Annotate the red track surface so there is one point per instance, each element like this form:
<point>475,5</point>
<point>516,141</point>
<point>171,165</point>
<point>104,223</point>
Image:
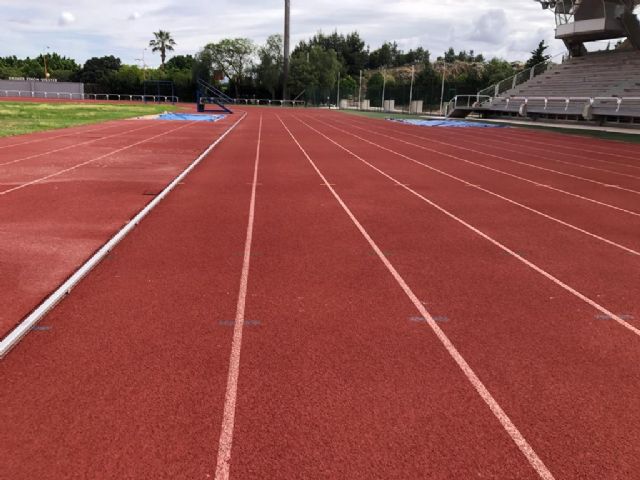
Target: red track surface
<point>525,363</point>
<point>64,193</point>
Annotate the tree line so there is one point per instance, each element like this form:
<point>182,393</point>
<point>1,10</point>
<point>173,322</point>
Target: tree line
<point>247,70</point>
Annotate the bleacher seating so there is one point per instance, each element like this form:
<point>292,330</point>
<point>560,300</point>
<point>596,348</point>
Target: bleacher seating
<point>602,74</point>
<point>602,84</point>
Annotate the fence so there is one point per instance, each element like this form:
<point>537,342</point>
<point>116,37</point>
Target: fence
<point>89,96</point>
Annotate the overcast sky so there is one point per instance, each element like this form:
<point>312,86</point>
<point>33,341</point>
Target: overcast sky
<point>87,28</point>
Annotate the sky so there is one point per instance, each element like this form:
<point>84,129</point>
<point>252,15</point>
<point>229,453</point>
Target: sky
<point>86,28</point>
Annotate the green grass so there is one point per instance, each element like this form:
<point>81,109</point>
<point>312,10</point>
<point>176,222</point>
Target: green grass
<point>17,118</point>
<point>620,137</point>
<point>380,115</point>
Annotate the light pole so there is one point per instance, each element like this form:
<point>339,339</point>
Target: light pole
<point>143,64</point>
<point>384,86</point>
<point>360,93</point>
<point>338,95</point>
<point>44,58</point>
<point>444,72</point>
<point>287,39</point>
<point>413,73</point>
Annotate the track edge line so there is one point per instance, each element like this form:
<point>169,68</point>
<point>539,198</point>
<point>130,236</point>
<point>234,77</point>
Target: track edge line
<point>18,332</point>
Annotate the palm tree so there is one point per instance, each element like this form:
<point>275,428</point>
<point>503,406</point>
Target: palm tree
<point>162,43</point>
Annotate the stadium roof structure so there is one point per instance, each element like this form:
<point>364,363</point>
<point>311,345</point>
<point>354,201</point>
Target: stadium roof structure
<point>582,21</point>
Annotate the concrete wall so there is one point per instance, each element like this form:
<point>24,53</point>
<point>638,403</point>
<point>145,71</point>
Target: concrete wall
<point>416,106</point>
<point>40,88</point>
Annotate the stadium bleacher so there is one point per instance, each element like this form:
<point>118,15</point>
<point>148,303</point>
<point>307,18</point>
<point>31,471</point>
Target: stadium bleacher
<point>598,86</point>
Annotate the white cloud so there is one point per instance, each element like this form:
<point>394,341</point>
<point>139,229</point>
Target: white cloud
<point>66,18</point>
<point>507,29</point>
<point>490,27</point>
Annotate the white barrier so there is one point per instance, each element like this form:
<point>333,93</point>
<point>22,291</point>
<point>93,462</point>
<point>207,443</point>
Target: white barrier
<point>90,96</point>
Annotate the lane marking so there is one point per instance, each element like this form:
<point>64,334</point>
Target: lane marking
<point>478,187</point>
<point>503,247</point>
<point>527,138</point>
<point>225,443</point>
<point>471,376</point>
<point>403,129</point>
<point>538,167</point>
<point>87,162</point>
<point>498,140</point>
<point>12,339</point>
<point>501,172</point>
<point>68,147</point>
<point>519,133</point>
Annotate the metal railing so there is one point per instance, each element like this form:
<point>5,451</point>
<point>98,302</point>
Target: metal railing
<point>265,101</point>
<point>567,102</point>
<point>466,101</point>
<point>90,96</point>
<point>519,78</point>
<point>480,102</point>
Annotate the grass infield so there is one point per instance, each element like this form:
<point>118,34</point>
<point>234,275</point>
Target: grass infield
<point>17,118</point>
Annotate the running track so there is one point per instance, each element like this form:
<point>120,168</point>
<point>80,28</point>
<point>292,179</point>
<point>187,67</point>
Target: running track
<point>329,296</point>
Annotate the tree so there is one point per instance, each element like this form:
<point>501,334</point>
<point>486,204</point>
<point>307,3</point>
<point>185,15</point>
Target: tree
<point>314,71</point>
<point>538,55</point>
<point>231,56</point>
<point>348,86</point>
<point>497,70</point>
<point>97,68</point>
<point>386,56</point>
<point>450,55</point>
<point>162,43</point>
<point>180,62</point>
<point>271,64</point>
<point>375,85</point>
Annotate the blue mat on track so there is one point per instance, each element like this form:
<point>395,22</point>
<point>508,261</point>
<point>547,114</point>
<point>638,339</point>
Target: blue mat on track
<point>190,117</point>
<point>448,123</point>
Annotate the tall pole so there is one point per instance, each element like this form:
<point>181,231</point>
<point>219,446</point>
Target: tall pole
<point>338,95</point>
<point>287,46</point>
<point>360,92</point>
<point>384,86</point>
<point>144,64</point>
<point>413,73</point>
<point>444,72</point>
<point>46,67</point>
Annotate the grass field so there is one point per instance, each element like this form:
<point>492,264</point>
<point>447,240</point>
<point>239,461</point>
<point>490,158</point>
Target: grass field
<point>17,118</point>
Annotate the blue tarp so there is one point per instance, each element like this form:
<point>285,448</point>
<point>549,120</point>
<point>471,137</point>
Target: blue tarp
<point>190,117</point>
<point>448,123</point>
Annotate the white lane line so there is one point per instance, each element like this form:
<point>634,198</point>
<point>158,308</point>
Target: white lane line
<point>12,339</point>
<point>527,138</point>
<point>42,139</point>
<point>497,195</point>
<point>87,162</point>
<point>525,164</point>
<point>486,140</point>
<point>471,376</point>
<point>491,136</point>
<point>503,247</point>
<point>502,172</point>
<point>228,419</point>
<point>75,145</point>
